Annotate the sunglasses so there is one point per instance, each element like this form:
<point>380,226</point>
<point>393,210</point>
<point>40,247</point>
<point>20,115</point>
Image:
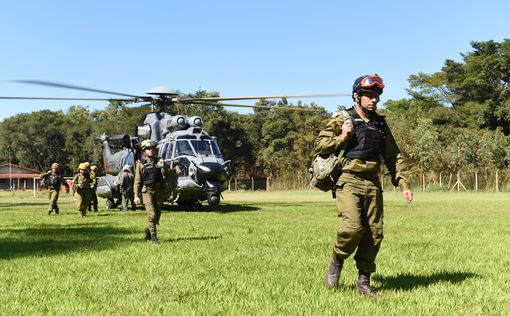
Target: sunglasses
<point>370,81</point>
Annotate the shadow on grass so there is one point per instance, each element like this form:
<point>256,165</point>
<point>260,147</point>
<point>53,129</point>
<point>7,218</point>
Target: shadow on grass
<point>222,208</point>
<point>49,240</point>
<point>11,204</point>
<point>408,282</point>
<point>194,238</point>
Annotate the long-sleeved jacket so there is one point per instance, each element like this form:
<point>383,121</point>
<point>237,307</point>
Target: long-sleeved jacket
<point>54,181</point>
<point>139,184</point>
<point>330,141</point>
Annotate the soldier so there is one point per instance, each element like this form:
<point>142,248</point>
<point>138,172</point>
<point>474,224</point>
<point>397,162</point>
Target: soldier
<point>93,188</point>
<point>54,181</point>
<point>150,186</point>
<point>367,138</point>
<point>125,180</point>
<point>81,189</point>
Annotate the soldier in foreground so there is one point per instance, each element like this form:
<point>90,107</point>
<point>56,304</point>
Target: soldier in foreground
<point>54,181</point>
<point>150,186</point>
<point>368,141</point>
<point>81,189</point>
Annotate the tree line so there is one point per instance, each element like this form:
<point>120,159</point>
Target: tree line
<point>454,126</point>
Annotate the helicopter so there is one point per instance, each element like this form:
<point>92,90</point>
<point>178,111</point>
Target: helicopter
<point>183,144</point>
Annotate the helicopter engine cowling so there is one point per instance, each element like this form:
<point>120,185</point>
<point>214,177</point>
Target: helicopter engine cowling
<point>177,122</point>
<point>144,131</point>
<point>195,121</point>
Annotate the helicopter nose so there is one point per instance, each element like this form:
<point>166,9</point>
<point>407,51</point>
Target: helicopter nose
<point>210,171</point>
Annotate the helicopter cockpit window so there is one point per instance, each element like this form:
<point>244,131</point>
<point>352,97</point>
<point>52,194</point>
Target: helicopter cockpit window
<point>202,147</point>
<point>183,148</point>
<point>215,149</point>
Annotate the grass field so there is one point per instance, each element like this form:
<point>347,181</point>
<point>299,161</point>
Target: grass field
<point>262,253</point>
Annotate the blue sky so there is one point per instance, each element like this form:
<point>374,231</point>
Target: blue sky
<point>233,47</point>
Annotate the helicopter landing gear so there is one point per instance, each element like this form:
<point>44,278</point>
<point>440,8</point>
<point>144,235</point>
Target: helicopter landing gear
<point>110,204</point>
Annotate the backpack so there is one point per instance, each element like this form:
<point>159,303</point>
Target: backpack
<point>325,169</point>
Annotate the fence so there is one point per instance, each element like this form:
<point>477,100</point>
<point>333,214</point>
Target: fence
<point>495,181</point>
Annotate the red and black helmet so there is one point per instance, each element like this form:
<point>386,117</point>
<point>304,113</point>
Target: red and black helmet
<point>368,83</point>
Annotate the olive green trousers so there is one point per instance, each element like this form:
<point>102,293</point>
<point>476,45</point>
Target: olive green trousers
<point>153,202</point>
<point>53,198</point>
<point>82,197</point>
<point>360,209</point>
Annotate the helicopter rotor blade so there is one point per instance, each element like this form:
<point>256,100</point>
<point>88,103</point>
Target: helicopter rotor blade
<point>68,86</point>
<point>294,108</point>
<point>267,97</point>
<point>79,99</point>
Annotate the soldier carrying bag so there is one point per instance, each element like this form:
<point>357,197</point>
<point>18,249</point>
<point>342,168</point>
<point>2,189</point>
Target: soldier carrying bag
<point>326,169</point>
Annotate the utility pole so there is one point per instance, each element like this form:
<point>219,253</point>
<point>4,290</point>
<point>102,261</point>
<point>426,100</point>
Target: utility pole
<point>10,168</point>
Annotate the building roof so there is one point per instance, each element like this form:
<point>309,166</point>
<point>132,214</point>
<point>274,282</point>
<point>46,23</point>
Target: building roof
<point>14,171</point>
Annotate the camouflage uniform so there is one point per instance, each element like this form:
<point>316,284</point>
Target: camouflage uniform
<point>81,191</point>
<point>152,194</point>
<point>93,195</point>
<point>54,181</point>
<point>358,190</point>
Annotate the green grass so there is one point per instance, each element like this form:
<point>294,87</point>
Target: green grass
<point>262,253</point>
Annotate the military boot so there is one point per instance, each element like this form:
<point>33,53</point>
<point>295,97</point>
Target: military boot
<point>155,239</point>
<point>334,269</point>
<point>363,285</point>
<point>147,234</point>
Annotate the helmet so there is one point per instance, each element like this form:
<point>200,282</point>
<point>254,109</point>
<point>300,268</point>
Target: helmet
<point>147,144</point>
<point>368,83</point>
<point>87,164</point>
<point>93,168</point>
<point>82,166</point>
<point>55,165</point>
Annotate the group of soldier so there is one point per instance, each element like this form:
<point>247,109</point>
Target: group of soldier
<point>148,183</point>
<point>360,134</point>
<point>83,188</point>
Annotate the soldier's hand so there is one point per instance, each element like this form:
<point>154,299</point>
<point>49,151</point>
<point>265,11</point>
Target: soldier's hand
<point>137,201</point>
<point>408,196</point>
<point>346,129</point>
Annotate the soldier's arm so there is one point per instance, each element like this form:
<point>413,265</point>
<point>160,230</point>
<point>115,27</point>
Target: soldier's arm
<point>395,163</point>
<point>137,185</point>
<point>75,181</point>
<point>64,182</point>
<point>330,139</point>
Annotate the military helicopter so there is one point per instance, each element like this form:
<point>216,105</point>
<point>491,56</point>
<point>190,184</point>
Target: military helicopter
<point>182,143</point>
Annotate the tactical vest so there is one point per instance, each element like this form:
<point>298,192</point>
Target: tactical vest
<point>369,138</point>
<point>53,181</point>
<point>151,172</point>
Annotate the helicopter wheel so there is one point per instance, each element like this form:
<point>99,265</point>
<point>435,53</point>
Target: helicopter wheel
<point>186,205</point>
<point>198,207</point>
<point>110,204</point>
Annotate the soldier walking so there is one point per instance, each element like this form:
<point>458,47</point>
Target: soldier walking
<point>81,189</point>
<point>150,186</point>
<point>93,188</point>
<point>54,181</point>
<point>126,180</point>
<point>368,141</point>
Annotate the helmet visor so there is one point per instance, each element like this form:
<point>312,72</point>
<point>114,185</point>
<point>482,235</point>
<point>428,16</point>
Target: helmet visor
<point>370,81</point>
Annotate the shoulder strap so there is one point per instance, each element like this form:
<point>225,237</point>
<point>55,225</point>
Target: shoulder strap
<point>347,116</point>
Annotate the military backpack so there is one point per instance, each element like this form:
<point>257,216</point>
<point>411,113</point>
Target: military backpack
<point>326,169</point>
